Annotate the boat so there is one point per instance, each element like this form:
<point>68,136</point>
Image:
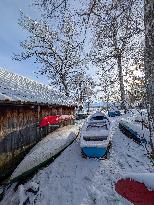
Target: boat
<point>45,151</point>
<point>131,130</point>
<point>95,140</point>
<point>81,115</point>
<point>114,113</point>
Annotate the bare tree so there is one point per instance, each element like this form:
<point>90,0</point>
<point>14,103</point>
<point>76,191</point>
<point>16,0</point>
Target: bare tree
<point>51,6</point>
<point>55,43</point>
<point>117,26</point>
<point>83,87</point>
<point>108,87</point>
<point>57,52</point>
<point>135,85</point>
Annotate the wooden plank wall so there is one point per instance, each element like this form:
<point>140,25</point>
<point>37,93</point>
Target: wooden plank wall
<point>19,131</point>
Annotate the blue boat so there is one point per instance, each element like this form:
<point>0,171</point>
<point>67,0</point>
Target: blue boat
<point>114,113</point>
<point>94,137</point>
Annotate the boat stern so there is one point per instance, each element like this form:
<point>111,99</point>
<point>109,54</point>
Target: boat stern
<point>94,152</point>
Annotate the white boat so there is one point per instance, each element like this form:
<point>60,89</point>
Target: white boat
<point>45,150</point>
<point>94,137</point>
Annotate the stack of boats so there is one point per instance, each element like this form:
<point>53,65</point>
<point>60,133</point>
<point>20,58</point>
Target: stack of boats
<point>94,137</point>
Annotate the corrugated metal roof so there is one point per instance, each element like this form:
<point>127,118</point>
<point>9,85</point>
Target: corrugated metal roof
<point>14,87</point>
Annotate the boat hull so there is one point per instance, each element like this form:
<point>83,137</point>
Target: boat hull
<point>94,152</point>
<point>129,132</point>
<point>45,152</point>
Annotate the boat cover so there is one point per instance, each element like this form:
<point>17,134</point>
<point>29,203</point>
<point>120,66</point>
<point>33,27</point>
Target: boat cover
<point>54,120</point>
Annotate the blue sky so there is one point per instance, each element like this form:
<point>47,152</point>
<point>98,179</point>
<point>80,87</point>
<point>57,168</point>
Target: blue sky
<point>11,35</point>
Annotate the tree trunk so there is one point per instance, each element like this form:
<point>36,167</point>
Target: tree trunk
<point>65,88</point>
<point>122,90</point>
<point>149,52</point>
<point>149,61</point>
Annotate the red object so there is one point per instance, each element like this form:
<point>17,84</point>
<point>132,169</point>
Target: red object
<point>135,192</point>
<point>50,120</point>
<point>54,120</point>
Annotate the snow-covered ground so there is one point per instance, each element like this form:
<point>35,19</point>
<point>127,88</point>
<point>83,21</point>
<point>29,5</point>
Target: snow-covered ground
<point>73,180</point>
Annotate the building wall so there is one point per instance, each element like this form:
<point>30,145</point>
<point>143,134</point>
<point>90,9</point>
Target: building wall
<point>19,131</point>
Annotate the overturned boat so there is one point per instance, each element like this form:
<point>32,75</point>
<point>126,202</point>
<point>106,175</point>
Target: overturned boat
<point>45,151</point>
<point>131,130</point>
<point>94,137</point>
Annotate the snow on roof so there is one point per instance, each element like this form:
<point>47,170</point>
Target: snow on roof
<point>14,87</point>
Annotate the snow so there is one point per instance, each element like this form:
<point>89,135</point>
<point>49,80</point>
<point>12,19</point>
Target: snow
<point>136,127</point>
<point>89,130</point>
<point>22,192</point>
<point>139,116</point>
<point>93,127</point>
<point>22,195</point>
<point>71,179</point>
<point>46,148</point>
<point>14,87</point>
<point>93,133</point>
<point>143,116</point>
<point>34,186</point>
<point>146,178</point>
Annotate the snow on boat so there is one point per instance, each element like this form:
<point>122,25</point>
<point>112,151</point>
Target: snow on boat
<point>142,117</point>
<point>94,138</point>
<point>129,130</point>
<point>45,150</point>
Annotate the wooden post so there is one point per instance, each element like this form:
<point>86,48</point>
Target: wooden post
<point>38,112</point>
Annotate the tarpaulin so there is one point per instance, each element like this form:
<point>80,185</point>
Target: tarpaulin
<point>54,120</point>
<point>50,120</point>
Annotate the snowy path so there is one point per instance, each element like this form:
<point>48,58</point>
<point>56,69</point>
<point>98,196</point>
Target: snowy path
<point>73,180</point>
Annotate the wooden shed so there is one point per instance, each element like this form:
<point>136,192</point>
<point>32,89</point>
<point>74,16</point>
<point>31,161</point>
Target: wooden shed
<point>23,103</point>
